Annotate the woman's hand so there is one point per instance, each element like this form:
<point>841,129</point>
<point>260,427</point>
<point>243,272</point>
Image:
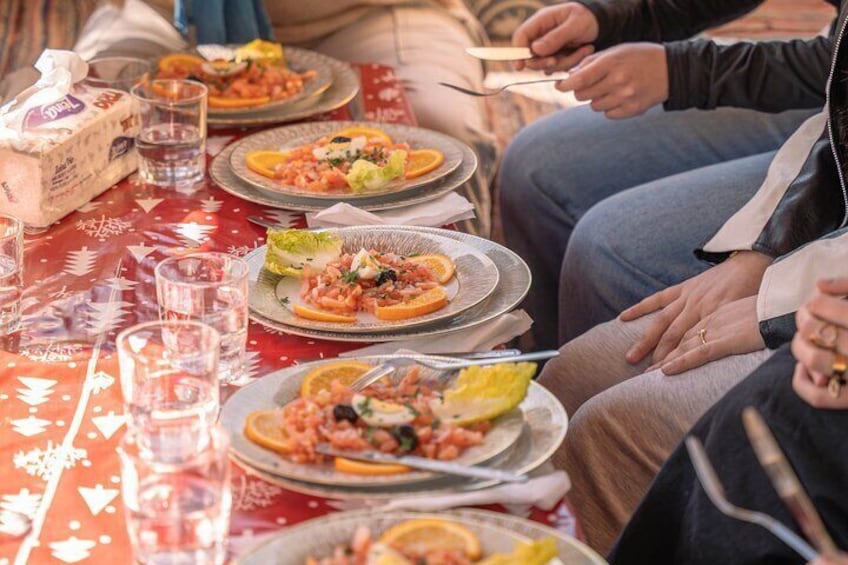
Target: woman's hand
<point>733,329</point>
<point>622,81</point>
<point>684,305</point>
<point>841,559</point>
<point>822,334</point>
<point>560,36</point>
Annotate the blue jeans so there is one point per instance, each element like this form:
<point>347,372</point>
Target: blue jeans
<point>607,212</point>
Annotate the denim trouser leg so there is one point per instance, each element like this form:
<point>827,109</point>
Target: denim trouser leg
<point>562,165</point>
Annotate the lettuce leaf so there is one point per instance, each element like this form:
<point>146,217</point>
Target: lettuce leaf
<point>365,176</point>
<point>290,250</point>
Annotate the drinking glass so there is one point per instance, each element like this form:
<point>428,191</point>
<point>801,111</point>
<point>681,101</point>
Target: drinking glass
<point>119,73</point>
<point>210,288</point>
<point>169,380</point>
<point>172,141</point>
<point>177,513</point>
<point>11,273</point>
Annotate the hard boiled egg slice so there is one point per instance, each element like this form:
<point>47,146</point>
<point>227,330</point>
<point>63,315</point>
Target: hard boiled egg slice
<point>223,68</point>
<point>380,413</point>
<point>364,265</point>
<point>380,554</point>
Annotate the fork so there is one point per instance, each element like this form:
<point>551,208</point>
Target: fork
<point>715,491</point>
<point>494,91</point>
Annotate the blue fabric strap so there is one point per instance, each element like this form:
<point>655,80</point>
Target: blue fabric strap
<point>223,21</point>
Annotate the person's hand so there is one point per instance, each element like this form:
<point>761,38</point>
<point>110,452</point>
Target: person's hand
<point>733,329</point>
<point>559,36</point>
<point>684,305</point>
<point>822,332</point>
<point>622,81</point>
<point>841,559</point>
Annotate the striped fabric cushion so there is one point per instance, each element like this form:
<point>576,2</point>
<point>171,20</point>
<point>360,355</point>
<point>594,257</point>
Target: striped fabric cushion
<point>27,27</point>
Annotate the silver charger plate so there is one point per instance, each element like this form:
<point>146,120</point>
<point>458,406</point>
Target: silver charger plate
<point>476,277</point>
<point>343,88</point>
<point>546,424</point>
<point>498,533</point>
<point>514,283</point>
<point>298,60</point>
<point>290,137</point>
<point>224,177</point>
<point>278,389</point>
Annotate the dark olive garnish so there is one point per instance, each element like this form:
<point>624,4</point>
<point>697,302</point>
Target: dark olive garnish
<point>345,412</point>
<point>340,139</point>
<point>386,276</point>
<point>405,436</point>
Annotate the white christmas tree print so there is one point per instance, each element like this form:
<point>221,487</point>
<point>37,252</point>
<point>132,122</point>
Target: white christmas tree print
<point>30,426</point>
<point>25,503</point>
<point>281,217</point>
<point>48,462</point>
<point>120,283</point>
<point>103,227</point>
<point>72,550</point>
<point>100,381</point>
<point>37,390</point>
<point>139,252</point>
<point>210,205</point>
<point>109,424</point>
<point>251,494</point>
<point>80,262</point>
<point>97,498</point>
<point>13,524</point>
<point>148,204</point>
<point>193,234</point>
<point>89,207</point>
<point>51,353</point>
<point>106,316</point>
<point>239,251</point>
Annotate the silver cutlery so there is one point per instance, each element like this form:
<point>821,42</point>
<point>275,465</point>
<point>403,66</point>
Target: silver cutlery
<point>425,464</point>
<point>786,482</point>
<point>715,491</point>
<point>495,353</point>
<point>494,91</point>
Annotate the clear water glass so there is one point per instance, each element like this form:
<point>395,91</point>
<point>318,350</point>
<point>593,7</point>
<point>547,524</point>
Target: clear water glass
<point>177,513</point>
<point>11,273</point>
<point>172,141</point>
<point>209,288</point>
<point>169,380</point>
<point>119,73</point>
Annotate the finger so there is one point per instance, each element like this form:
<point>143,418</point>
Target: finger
<point>672,336</point>
<point>814,359</point>
<point>686,345</point>
<point>699,356</point>
<point>583,77</point>
<point>556,38</point>
<point>563,62</point>
<point>830,309</point>
<point>534,27</point>
<point>651,304</point>
<point>837,286</point>
<point>654,332</point>
<point>816,396</point>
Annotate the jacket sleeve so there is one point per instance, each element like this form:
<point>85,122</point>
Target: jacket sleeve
<point>770,76</point>
<point>621,21</point>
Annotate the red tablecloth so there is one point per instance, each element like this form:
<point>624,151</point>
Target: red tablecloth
<point>90,276</point>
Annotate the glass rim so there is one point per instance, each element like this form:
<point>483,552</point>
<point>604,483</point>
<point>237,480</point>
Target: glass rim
<point>98,81</point>
<point>231,278</point>
<point>124,335</point>
<point>137,92</point>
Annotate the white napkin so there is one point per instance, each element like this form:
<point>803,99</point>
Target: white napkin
<point>60,70</point>
<point>543,492</point>
<point>479,338</point>
<point>443,210</point>
<point>543,92</point>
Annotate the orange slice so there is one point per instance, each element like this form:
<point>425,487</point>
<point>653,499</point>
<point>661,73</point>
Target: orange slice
<point>265,428</point>
<point>319,378</point>
<point>184,61</point>
<point>439,265</point>
<point>425,535</point>
<point>265,162</point>
<point>229,103</point>
<point>432,300</point>
<point>364,468</point>
<point>357,131</point>
<point>321,316</point>
<point>422,161</point>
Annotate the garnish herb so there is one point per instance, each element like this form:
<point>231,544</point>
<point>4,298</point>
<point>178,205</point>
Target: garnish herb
<point>412,409</point>
<point>284,300</point>
<point>364,407</point>
<point>350,277</point>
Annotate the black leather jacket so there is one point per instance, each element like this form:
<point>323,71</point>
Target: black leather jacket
<point>770,76</point>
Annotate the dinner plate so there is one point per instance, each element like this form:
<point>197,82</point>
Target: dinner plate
<point>498,533</point>
<point>514,283</point>
<point>298,60</point>
<point>476,278</point>
<point>546,423</point>
<point>343,88</point>
<point>224,177</point>
<point>278,389</point>
<point>289,137</point>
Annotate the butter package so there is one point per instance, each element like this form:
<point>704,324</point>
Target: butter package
<point>62,143</point>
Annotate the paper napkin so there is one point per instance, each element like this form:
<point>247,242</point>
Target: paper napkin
<point>443,210</point>
<point>479,338</point>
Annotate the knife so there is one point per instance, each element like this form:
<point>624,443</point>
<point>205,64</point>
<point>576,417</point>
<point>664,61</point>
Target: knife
<point>425,464</point>
<point>500,53</point>
<point>786,482</point>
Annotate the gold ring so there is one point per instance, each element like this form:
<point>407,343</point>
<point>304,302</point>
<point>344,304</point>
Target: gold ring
<point>702,333</point>
<point>826,337</point>
<point>837,375</point>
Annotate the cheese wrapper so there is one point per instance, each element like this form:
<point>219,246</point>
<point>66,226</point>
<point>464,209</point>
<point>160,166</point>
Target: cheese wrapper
<point>62,143</point>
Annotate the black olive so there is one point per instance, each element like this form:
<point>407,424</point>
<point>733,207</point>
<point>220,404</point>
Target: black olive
<point>406,437</point>
<point>340,139</point>
<point>345,412</point>
<point>385,276</point>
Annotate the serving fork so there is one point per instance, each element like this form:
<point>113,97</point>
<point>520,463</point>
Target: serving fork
<point>494,91</point>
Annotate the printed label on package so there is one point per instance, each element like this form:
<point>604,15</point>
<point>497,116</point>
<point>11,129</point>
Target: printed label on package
<point>120,147</point>
<point>62,108</point>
